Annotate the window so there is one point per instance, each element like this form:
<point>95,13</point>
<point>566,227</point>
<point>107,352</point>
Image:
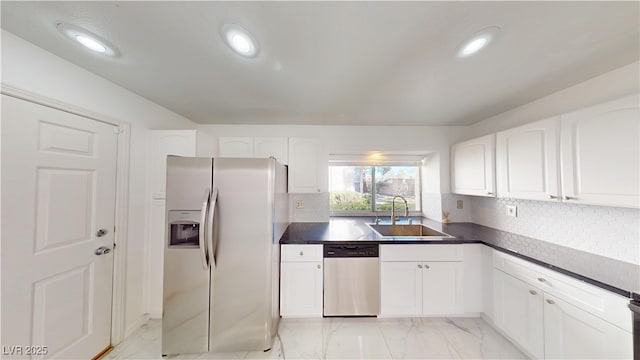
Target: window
<point>365,189</point>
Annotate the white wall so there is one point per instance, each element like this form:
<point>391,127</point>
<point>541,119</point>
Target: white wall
<point>32,69</point>
<point>607,231</point>
<point>608,86</point>
<point>355,140</point>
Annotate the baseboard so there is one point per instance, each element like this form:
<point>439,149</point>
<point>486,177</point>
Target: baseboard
<point>135,325</point>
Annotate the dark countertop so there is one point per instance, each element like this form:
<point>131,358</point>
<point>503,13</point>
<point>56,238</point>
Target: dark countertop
<point>614,275</point>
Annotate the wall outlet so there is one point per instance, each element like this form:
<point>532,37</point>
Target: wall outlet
<point>512,210</point>
<point>459,204</point>
<point>299,204</point>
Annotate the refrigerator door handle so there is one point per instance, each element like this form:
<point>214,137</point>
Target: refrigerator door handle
<point>202,228</point>
<point>213,200</point>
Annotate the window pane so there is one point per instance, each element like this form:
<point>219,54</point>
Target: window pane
<point>350,188</point>
<point>397,180</point>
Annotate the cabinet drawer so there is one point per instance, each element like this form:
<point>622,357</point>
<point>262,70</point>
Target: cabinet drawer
<point>599,302</point>
<point>421,253</point>
<point>300,253</point>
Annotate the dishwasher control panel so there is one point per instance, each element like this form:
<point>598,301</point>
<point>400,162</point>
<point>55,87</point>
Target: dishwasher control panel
<point>348,251</point>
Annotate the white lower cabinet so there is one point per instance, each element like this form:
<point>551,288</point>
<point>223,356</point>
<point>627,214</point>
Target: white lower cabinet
<point>301,281</point>
<point>400,288</point>
<point>552,316</point>
<point>414,288</point>
<point>518,312</point>
<point>571,333</point>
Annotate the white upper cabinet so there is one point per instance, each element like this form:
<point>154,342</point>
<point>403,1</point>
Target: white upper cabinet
<point>278,147</point>
<point>308,166</point>
<point>168,142</point>
<point>601,154</point>
<point>527,161</point>
<point>235,147</point>
<point>473,167</point>
<point>250,147</point>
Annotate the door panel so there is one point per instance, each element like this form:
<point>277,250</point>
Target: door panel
<point>400,288</point>
<point>601,154</point>
<point>571,333</point>
<point>442,288</point>
<point>58,189</point>
<point>518,312</point>
<point>526,157</point>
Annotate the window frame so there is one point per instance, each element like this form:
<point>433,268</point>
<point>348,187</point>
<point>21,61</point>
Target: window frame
<point>372,212</point>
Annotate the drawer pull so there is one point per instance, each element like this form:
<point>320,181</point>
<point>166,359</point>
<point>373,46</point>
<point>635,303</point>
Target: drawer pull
<point>533,292</point>
<point>419,266</point>
<point>542,279</point>
<point>551,302</point>
<point>301,253</point>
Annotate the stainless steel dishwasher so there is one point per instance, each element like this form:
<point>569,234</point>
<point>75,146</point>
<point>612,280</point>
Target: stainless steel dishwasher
<point>351,280</point>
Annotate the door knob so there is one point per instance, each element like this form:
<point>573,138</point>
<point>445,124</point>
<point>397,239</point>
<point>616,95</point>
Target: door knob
<point>102,250</point>
<point>101,232</point>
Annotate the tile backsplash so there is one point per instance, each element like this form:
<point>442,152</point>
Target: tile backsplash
<point>607,231</point>
<point>315,207</point>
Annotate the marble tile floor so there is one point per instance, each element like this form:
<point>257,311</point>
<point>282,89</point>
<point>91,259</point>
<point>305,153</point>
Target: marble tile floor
<point>352,338</point>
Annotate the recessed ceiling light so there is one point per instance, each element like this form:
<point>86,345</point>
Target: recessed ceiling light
<point>240,40</point>
<point>478,41</point>
<point>91,43</point>
<point>87,39</point>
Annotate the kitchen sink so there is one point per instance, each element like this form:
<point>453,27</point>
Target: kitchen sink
<point>405,230</point>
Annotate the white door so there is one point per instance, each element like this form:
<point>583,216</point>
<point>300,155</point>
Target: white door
<point>518,312</point>
<point>442,288</point>
<point>301,289</point>
<point>308,166</point>
<point>400,288</point>
<point>473,167</point>
<point>235,147</point>
<point>278,147</point>
<point>527,161</point>
<point>571,333</point>
<point>58,190</point>
<point>601,154</point>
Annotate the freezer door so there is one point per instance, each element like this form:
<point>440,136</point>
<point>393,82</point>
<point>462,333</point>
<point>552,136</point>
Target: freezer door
<point>242,280</point>
<point>185,318</point>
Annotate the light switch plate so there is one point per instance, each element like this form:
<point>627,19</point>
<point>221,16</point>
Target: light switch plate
<point>512,210</point>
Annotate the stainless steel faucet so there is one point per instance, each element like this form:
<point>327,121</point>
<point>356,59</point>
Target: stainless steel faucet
<point>393,208</point>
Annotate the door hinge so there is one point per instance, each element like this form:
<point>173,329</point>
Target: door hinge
<point>114,246</point>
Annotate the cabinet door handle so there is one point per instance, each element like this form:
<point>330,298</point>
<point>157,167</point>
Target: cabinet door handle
<point>550,302</point>
<point>552,197</point>
<point>533,292</point>
<point>489,193</point>
<point>301,253</point>
<point>426,266</point>
<point>570,198</point>
<point>419,266</point>
<point>542,279</point>
<point>319,266</point>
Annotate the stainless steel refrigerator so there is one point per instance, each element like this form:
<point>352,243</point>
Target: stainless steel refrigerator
<point>225,217</point>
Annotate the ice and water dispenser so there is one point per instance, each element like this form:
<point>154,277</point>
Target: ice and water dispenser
<point>184,228</point>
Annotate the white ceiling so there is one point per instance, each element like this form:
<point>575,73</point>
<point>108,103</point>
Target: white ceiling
<point>352,63</point>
